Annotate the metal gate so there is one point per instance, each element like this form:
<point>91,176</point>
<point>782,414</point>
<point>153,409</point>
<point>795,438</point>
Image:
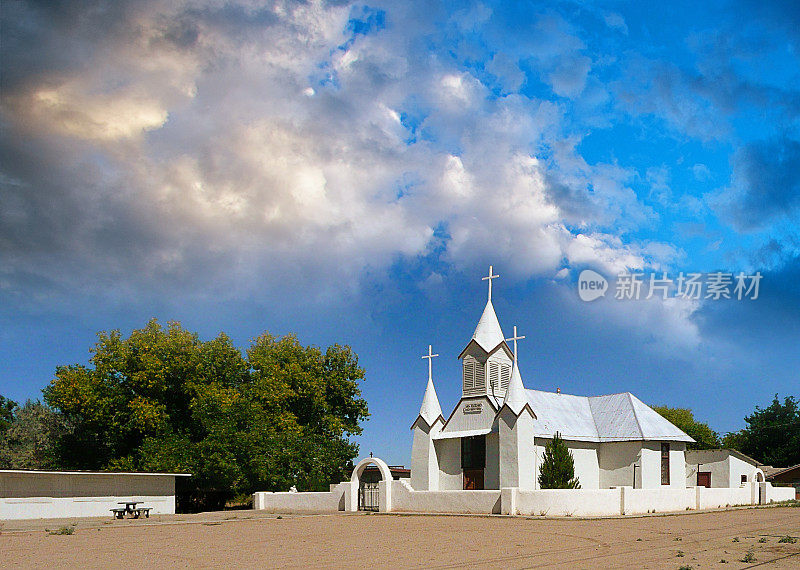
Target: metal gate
<point>368,496</point>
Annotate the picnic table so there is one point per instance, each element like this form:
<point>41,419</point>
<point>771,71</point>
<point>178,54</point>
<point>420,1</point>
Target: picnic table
<point>131,509</point>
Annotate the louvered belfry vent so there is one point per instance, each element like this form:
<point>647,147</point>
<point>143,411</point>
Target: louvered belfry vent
<point>474,377</point>
<point>505,376</point>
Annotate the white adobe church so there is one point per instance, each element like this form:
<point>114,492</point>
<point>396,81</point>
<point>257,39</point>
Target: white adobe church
<point>485,457</point>
<point>496,434</point>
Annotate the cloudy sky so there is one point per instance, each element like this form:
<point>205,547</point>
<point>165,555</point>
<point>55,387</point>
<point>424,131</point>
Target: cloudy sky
<point>348,171</point>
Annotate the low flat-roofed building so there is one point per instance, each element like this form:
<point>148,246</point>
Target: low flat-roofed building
<point>27,494</point>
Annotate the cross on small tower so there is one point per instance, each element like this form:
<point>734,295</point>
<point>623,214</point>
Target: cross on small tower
<point>430,356</point>
<point>515,338</point>
<point>489,279</point>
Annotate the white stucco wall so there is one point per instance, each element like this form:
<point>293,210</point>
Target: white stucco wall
<point>651,465</point>
<point>424,463</point>
<point>568,502</point>
<point>662,499</point>
<point>726,469</point>
<point>28,495</point>
<point>737,468</point>
<point>587,467</point>
<point>334,500</point>
<point>585,457</point>
<point>714,498</point>
<point>616,460</point>
<point>677,464</point>
<point>775,494</point>
<point>449,453</point>
<point>473,502</point>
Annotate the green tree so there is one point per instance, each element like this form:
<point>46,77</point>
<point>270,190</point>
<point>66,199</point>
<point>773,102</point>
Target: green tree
<point>558,466</point>
<point>6,413</point>
<point>683,419</point>
<point>161,399</point>
<point>32,438</point>
<point>772,435</point>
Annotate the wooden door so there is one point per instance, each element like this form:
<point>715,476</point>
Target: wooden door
<point>473,479</point>
<point>704,479</point>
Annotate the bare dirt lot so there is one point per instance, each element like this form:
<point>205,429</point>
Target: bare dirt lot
<point>719,539</point>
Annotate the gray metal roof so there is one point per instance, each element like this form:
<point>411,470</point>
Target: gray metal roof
<point>615,417</point>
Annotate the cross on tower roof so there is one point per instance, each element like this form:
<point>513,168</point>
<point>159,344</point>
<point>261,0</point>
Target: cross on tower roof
<point>489,279</point>
<point>430,356</point>
<point>515,338</point>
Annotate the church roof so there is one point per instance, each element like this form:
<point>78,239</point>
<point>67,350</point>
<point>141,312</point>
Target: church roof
<point>430,410</point>
<point>488,333</point>
<point>615,417</point>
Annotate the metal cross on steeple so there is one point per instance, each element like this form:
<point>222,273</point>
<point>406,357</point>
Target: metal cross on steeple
<point>430,356</point>
<point>489,279</point>
<point>515,338</point>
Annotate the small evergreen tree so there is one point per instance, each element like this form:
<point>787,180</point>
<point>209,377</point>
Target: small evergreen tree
<point>558,466</point>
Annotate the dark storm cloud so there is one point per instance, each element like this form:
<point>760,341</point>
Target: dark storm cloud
<point>766,186</point>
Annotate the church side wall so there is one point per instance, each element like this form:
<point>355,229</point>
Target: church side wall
<point>449,453</point>
<point>587,468</point>
<point>616,460</point>
<point>651,464</point>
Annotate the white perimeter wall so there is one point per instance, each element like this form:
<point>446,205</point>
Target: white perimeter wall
<point>474,502</point>
<point>565,502</point>
<point>61,495</point>
<point>333,500</point>
<point>663,499</point>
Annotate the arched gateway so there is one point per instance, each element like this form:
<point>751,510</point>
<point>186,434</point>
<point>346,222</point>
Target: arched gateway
<point>371,497</point>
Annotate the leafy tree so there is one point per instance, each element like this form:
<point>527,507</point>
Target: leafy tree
<point>772,435</point>
<point>683,419</point>
<point>164,400</point>
<point>32,438</point>
<point>6,413</point>
<point>558,466</point>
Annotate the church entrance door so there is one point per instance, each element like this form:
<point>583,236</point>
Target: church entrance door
<point>473,479</point>
<point>473,461</point>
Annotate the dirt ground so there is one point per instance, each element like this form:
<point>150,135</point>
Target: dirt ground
<point>719,539</point>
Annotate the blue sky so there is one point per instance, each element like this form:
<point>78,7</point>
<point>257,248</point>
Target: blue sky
<point>347,172</point>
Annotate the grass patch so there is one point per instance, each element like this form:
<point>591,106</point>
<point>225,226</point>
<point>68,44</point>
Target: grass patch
<point>685,567</point>
<point>787,539</point>
<point>749,557</point>
<point>62,530</point>
<point>735,539</point>
<point>680,554</point>
<point>762,539</point>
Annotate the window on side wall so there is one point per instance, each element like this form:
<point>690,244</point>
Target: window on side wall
<point>665,464</point>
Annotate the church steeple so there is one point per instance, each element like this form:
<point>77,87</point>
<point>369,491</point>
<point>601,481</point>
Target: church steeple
<point>488,333</point>
<point>430,410</point>
<point>516,398</point>
<point>486,358</point>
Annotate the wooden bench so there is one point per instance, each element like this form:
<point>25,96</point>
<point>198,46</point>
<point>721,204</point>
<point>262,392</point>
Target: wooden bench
<point>119,513</point>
